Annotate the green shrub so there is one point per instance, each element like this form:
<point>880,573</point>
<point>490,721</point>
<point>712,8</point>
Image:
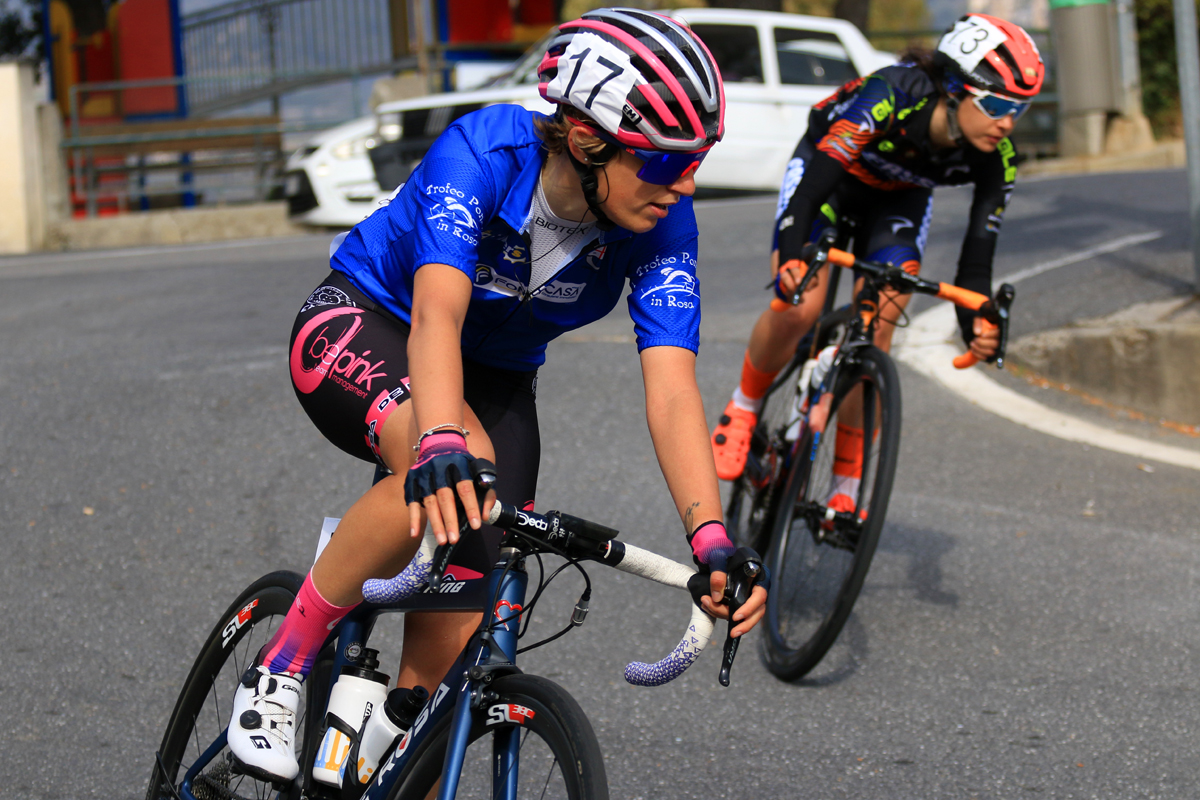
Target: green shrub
<point>1160,69</point>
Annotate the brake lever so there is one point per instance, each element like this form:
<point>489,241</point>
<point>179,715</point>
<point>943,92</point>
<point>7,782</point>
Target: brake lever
<point>996,311</point>
<point>742,571</point>
<point>483,473</point>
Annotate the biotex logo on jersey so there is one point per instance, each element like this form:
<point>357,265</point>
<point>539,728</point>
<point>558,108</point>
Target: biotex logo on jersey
<point>452,211</point>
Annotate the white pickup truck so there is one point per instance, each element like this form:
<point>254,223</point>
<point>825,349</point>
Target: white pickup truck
<point>775,67</point>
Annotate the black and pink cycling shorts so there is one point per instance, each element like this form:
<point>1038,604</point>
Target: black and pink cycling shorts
<point>349,366</point>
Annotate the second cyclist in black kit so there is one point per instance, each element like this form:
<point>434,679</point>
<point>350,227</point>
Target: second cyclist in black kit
<point>875,150</point>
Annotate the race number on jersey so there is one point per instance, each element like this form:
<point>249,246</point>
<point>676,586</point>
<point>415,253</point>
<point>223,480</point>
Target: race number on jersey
<point>595,76</point>
<point>970,40</point>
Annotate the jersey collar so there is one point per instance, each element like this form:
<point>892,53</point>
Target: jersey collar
<point>517,207</point>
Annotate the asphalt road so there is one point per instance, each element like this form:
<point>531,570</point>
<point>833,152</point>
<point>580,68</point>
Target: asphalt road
<point>1028,628</point>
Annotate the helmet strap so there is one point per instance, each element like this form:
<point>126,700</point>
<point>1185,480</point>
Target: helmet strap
<point>952,104</point>
<point>589,183</point>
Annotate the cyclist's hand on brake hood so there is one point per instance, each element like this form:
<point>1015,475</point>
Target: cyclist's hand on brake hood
<point>986,341</point>
<point>710,549</point>
<point>442,471</point>
<point>792,271</point>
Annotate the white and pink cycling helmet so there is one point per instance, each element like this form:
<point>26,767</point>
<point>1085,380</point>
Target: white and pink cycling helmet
<point>646,80</point>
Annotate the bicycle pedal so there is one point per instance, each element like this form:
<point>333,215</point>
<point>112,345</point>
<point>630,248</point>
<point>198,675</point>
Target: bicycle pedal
<point>236,766</point>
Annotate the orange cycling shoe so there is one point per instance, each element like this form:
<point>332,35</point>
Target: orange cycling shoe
<point>731,441</point>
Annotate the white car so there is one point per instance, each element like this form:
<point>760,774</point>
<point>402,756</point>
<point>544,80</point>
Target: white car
<point>775,67</point>
<point>329,179</point>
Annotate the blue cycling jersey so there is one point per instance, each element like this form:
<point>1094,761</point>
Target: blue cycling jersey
<point>468,205</point>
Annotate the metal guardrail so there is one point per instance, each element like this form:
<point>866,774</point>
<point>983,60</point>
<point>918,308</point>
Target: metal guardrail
<point>249,170</point>
<point>247,45</point>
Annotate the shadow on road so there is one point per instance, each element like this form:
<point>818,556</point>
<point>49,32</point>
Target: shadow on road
<point>924,549</point>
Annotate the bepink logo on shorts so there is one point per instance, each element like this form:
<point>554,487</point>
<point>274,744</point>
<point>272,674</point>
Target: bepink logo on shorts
<point>321,351</point>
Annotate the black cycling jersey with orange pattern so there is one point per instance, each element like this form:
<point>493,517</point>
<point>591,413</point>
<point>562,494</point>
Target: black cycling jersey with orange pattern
<point>877,128</point>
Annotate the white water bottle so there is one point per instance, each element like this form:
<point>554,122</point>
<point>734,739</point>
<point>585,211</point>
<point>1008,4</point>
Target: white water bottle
<point>821,369</point>
<point>385,727</point>
<point>359,690</point>
<point>814,371</point>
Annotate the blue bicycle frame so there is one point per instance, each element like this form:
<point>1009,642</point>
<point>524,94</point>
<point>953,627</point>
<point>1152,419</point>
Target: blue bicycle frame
<point>494,645</point>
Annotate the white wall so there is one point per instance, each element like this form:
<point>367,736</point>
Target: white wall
<point>22,203</point>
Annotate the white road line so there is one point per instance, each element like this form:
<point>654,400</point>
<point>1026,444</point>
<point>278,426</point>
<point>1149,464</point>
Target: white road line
<point>928,346</point>
<point>1082,255</point>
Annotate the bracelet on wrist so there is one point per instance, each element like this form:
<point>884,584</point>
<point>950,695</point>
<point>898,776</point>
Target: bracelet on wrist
<point>438,429</point>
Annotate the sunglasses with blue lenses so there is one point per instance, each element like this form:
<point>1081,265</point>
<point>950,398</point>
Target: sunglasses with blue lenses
<point>996,107</point>
<point>660,167</point>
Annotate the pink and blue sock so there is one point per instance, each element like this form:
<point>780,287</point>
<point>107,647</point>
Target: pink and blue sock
<point>295,645</point>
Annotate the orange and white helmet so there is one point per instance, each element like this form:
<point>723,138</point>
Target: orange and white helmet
<point>991,55</point>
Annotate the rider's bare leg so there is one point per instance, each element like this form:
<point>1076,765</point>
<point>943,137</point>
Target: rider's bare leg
<point>372,541</point>
<point>891,307</point>
<point>776,333</point>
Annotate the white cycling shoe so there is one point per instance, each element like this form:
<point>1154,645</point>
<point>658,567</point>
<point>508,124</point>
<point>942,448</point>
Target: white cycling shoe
<point>263,726</point>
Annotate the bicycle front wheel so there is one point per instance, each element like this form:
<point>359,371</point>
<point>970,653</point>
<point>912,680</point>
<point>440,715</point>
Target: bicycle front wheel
<point>205,702</point>
<point>754,495</point>
<point>819,558</point>
<point>750,508</point>
<point>529,739</point>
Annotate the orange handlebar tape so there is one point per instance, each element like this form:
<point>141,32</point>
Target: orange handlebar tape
<point>965,360</point>
<point>968,358</point>
<point>840,257</point>
<point>794,263</point>
<point>961,297</point>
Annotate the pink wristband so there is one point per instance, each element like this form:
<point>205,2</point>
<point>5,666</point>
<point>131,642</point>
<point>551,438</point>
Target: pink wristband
<point>709,540</point>
<point>445,441</point>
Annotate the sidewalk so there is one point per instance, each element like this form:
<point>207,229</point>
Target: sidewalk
<point>1105,337</point>
<point>1164,155</point>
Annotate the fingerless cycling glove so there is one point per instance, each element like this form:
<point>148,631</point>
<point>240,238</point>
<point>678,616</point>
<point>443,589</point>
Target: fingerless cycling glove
<point>711,546</point>
<point>442,461</point>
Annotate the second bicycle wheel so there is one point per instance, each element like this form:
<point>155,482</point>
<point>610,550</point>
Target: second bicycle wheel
<point>751,504</point>
<point>818,557</point>
<point>753,495</point>
<point>556,752</point>
<point>205,701</point>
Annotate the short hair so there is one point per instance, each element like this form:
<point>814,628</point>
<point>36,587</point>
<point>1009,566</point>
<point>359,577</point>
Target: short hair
<point>554,131</point>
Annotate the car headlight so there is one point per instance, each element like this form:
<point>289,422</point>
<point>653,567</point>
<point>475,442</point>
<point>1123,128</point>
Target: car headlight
<point>390,127</point>
<point>353,148</point>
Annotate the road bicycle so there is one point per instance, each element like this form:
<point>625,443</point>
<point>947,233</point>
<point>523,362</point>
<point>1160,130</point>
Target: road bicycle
<point>819,556</point>
<point>488,730</point>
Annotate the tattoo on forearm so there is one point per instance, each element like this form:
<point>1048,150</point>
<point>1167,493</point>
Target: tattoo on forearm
<point>689,517</point>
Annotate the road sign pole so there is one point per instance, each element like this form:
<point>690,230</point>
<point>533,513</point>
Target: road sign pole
<point>1188,54</point>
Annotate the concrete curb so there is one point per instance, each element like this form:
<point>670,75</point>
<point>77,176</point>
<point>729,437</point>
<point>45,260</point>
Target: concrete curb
<point>173,226</point>
<point>1165,155</point>
<point>1137,358</point>
<point>927,348</point>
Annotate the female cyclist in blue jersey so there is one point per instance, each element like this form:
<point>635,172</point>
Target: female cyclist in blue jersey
<point>420,351</point>
<point>875,150</point>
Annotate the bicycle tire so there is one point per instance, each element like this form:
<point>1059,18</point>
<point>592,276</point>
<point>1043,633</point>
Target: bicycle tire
<point>202,709</point>
<point>750,508</point>
<point>565,762</point>
<point>817,574</point>
<point>753,495</point>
